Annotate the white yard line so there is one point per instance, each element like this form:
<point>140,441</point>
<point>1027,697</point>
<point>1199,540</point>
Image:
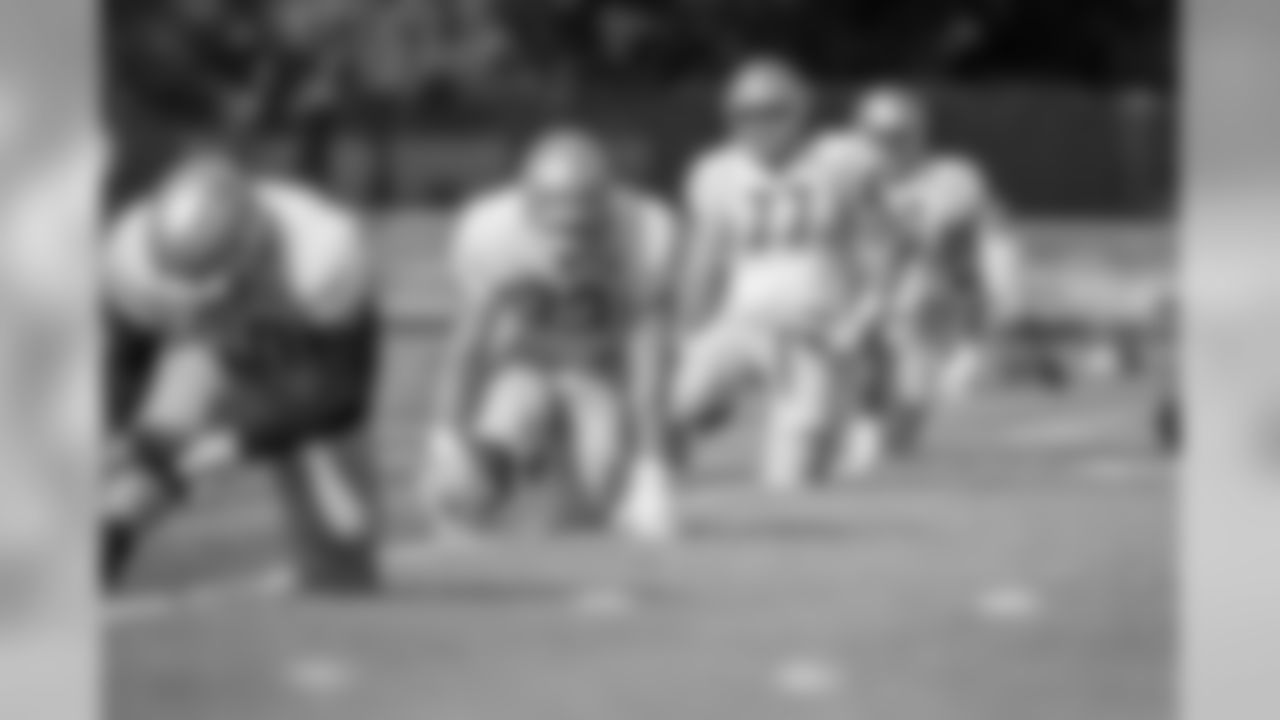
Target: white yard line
<point>1070,426</point>
<point>1069,430</point>
<point>265,585</point>
<point>1127,471</point>
<point>135,609</point>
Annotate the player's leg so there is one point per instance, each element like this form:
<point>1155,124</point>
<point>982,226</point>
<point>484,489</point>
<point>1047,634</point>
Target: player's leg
<point>943,351</point>
<point>1168,413</point>
<point>916,348</point>
<point>331,506</point>
<point>715,366</point>
<point>161,445</point>
<point>963,333</point>
<point>868,407</point>
<point>507,439</point>
<point>799,434</point>
<point>597,434</point>
<point>307,411</point>
<point>131,358</point>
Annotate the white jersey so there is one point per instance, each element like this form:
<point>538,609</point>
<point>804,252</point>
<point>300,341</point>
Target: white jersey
<point>947,211</point>
<point>789,234</point>
<point>568,292</point>
<point>315,267</point>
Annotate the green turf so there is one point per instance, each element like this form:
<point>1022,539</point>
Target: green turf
<point>883,583</point>
<point>859,602</point>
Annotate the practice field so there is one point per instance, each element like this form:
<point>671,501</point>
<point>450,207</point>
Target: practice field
<point>1020,569</point>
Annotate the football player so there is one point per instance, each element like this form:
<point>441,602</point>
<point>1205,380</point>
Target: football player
<point>243,328</point>
<point>561,347</point>
<point>962,260</point>
<point>780,289</point>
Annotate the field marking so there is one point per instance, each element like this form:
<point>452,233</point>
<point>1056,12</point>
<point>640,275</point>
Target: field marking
<point>320,677</point>
<point>1126,471</point>
<point>604,603</point>
<point>1010,604</point>
<point>808,678</point>
<point>135,609</point>
<point>266,585</point>
<point>275,581</point>
<point>1062,431</point>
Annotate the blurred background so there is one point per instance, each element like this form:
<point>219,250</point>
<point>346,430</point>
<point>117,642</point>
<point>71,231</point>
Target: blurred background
<point>1021,568</point>
<point>48,183</point>
<point>411,102</point>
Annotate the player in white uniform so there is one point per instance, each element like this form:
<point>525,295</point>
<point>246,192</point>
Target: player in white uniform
<point>561,344</point>
<point>243,328</point>
<point>962,260</point>
<point>779,291</point>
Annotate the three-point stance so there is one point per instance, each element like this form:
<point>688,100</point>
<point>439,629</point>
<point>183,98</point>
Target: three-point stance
<point>243,329</point>
<point>960,260</point>
<point>561,347</point>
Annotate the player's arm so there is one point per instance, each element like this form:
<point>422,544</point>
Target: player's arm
<point>483,298</point>
<point>878,262</point>
<point>702,257</point>
<point>1000,256</point>
<point>341,287</point>
<point>451,465</point>
<point>873,252</point>
<point>143,315</point>
<point>653,342</point>
<point>465,361</point>
<point>145,470</point>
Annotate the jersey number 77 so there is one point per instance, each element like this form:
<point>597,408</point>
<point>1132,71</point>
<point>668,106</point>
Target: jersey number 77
<point>782,218</point>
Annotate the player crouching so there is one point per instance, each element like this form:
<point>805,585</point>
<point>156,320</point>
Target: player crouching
<point>243,329</point>
<point>962,261</point>
<point>561,346</point>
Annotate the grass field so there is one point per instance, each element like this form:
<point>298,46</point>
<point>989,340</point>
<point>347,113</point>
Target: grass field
<point>1020,569</point>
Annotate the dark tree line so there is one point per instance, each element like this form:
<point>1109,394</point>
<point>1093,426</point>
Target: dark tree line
<point>228,61</point>
<point>325,81</point>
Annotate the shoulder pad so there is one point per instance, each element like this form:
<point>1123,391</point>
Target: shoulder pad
<point>960,178</point>
<point>714,174</point>
<point>327,249</point>
<point>653,228</point>
<point>484,245</point>
<point>847,155</point>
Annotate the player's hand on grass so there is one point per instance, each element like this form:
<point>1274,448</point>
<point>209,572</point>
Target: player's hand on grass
<point>647,507</point>
<point>450,482</point>
<point>129,493</point>
<point>210,453</point>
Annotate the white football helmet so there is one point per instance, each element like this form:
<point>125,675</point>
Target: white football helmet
<point>768,107</point>
<point>568,180</point>
<point>204,222</point>
<point>895,119</point>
